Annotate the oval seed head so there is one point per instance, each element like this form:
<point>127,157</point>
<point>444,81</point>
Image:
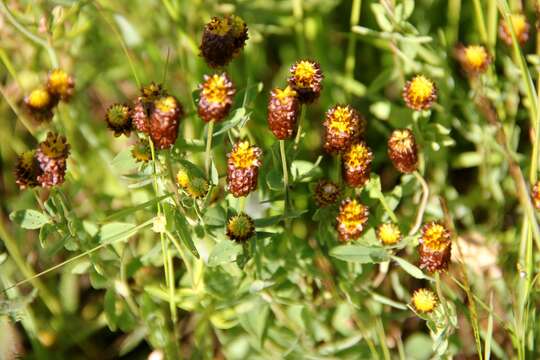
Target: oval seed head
<point>474,59</point>
<point>52,154</point>
<point>342,125</point>
<point>60,83</point>
<point>356,166</point>
<point>351,219</point>
<point>389,234</point>
<point>435,247</point>
<point>326,193</point>
<point>240,227</point>
<point>283,110</point>
<point>223,38</point>
<point>216,98</point>
<point>164,121</point>
<point>521,29</point>
<point>118,118</point>
<point>419,93</point>
<point>243,164</point>
<point>424,300</point>
<point>536,195</point>
<point>306,79</point>
<point>27,170</point>
<point>39,104</point>
<point>403,151</point>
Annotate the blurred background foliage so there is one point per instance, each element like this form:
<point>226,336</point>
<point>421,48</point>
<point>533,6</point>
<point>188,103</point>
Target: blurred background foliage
<point>285,295</point>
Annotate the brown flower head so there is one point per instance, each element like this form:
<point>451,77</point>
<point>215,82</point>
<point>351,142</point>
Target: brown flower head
<point>40,104</point>
<point>60,84</point>
<point>435,247</point>
<point>389,234</point>
<point>52,155</point>
<point>27,170</point>
<point>356,166</point>
<point>240,227</point>
<point>243,164</point>
<point>419,93</point>
<point>474,59</point>
<point>326,193</point>
<point>536,195</point>
<point>216,98</point>
<point>521,29</point>
<point>164,121</point>
<point>342,125</point>
<point>306,79</point>
<point>223,38</point>
<point>283,110</point>
<point>424,301</point>
<point>351,220</point>
<point>118,118</point>
<point>403,151</point>
<point>143,106</point>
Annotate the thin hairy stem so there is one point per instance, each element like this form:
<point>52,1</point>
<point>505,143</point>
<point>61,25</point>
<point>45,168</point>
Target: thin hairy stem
<point>423,203</point>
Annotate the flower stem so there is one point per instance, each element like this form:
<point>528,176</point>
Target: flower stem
<point>386,207</point>
<point>350,60</point>
<point>285,179</point>
<point>423,203</point>
<point>299,132</point>
<point>207,156</point>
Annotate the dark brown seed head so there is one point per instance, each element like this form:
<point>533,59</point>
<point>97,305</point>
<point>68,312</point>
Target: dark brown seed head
<point>164,121</point>
<point>356,166</point>
<point>403,151</point>
<point>351,220</point>
<point>118,118</point>
<point>326,193</point>
<point>27,170</point>
<point>223,39</point>
<point>216,98</point>
<point>283,109</point>
<point>419,93</point>
<point>60,84</point>
<point>342,125</point>
<point>306,79</point>
<point>243,164</point>
<point>435,247</point>
<point>52,155</point>
<point>521,29</point>
<point>240,227</point>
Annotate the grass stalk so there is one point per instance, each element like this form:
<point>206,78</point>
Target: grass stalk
<point>480,21</point>
<point>350,60</point>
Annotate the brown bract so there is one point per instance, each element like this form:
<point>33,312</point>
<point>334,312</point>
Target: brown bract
<point>51,155</point>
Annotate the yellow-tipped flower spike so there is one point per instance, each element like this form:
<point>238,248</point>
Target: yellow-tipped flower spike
<point>240,227</point>
<point>435,247</point>
<point>521,28</point>
<point>351,219</point>
<point>419,93</point>
<point>283,110</point>
<point>40,104</point>
<point>536,195</point>
<point>216,97</point>
<point>356,165</point>
<point>474,59</point>
<point>342,125</point>
<point>424,301</point>
<point>61,84</point>
<point>243,164</point>
<point>306,79</point>
<point>403,151</point>
<point>389,234</point>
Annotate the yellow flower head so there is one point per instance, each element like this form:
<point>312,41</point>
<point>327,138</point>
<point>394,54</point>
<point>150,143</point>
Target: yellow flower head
<point>39,99</point>
<point>521,29</point>
<point>389,234</point>
<point>182,178</point>
<point>424,300</point>
<point>473,58</point>
<point>244,156</point>
<point>60,83</point>
<point>284,95</point>
<point>435,236</point>
<point>419,93</point>
<point>359,155</point>
<point>343,119</point>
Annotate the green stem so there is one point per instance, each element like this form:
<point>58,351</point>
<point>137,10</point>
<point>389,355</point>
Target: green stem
<point>480,22</point>
<point>423,203</point>
<point>386,207</point>
<point>299,131</point>
<point>242,204</point>
<point>454,13</point>
<point>13,249</point>
<point>351,48</point>
<point>207,153</point>
<point>34,38</point>
<point>298,13</point>
<point>285,179</point>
